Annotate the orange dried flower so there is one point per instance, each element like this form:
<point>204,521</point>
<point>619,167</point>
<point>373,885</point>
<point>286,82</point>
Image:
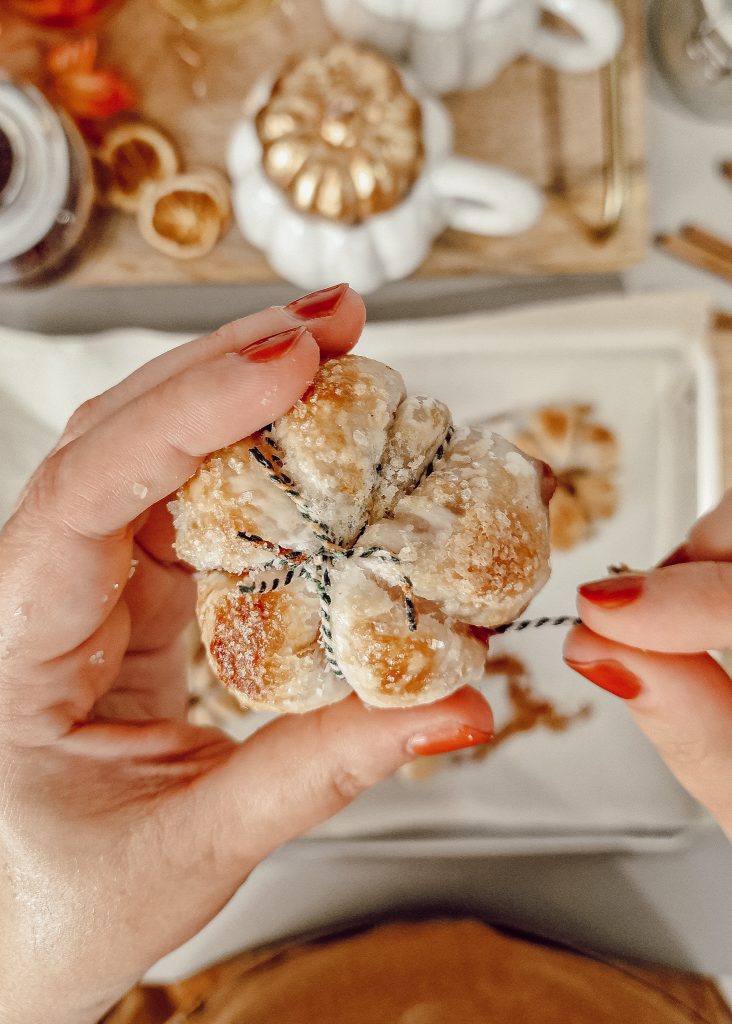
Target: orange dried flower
<point>86,91</point>
<point>59,13</point>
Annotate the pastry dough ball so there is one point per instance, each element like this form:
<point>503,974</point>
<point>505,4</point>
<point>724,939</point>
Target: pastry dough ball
<point>385,663</point>
<point>419,429</point>
<point>264,647</point>
<point>333,441</point>
<point>469,537</point>
<point>232,493</point>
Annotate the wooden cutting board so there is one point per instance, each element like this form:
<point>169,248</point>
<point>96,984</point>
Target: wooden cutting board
<point>543,125</point>
<point>722,348</point>
<point>427,972</point>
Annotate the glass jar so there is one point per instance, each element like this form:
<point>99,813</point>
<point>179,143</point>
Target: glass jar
<point>691,41</point>
<point>46,185</point>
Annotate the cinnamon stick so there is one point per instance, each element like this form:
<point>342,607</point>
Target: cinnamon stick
<point>704,240</point>
<point>682,249</point>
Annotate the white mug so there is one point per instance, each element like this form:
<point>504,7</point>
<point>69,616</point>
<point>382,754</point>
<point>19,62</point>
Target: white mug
<point>463,44</point>
<point>311,251</point>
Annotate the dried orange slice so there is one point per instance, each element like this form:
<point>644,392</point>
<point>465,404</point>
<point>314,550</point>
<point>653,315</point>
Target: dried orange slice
<point>132,154</point>
<point>185,215</point>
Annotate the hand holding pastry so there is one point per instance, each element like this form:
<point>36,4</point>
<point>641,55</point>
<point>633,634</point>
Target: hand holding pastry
<point>646,638</point>
<point>124,829</point>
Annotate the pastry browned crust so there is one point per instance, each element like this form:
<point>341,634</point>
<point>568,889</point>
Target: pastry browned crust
<point>584,456</point>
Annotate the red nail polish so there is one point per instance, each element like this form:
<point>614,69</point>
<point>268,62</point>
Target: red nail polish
<point>443,741</point>
<point>267,349</point>
<point>318,305</point>
<point>614,592</point>
<point>610,676</point>
<point>678,556</point>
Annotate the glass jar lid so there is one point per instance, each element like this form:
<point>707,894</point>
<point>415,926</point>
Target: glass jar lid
<point>34,168</point>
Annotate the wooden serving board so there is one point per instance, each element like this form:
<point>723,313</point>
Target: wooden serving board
<point>540,124</point>
<point>425,973</point>
<point>722,348</point>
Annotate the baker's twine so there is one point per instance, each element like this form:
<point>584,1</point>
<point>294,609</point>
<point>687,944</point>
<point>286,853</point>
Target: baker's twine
<point>316,566</point>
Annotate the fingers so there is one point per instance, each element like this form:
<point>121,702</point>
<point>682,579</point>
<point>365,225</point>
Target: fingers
<point>114,472</point>
<point>82,502</point>
<point>684,608</point>
<point>335,318</point>
<point>711,536</point>
<point>161,599</point>
<point>151,685</point>
<point>39,706</point>
<point>302,769</point>
<point>683,703</point>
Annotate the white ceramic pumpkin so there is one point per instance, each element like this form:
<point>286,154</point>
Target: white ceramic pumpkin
<point>337,186</point>
<point>463,44</point>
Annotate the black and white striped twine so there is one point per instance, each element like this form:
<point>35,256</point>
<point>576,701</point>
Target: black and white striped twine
<point>316,566</point>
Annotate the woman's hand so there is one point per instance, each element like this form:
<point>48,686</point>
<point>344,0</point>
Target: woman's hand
<point>122,828</point>
<point>645,638</point>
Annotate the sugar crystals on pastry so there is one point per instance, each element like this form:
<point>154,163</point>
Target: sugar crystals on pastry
<point>356,542</point>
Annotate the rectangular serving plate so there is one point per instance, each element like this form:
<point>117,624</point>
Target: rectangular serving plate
<point>644,365</point>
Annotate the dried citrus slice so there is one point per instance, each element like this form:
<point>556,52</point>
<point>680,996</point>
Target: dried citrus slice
<point>131,155</point>
<point>184,215</point>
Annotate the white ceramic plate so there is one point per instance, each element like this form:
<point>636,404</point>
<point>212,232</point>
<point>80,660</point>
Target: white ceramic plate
<point>644,366</point>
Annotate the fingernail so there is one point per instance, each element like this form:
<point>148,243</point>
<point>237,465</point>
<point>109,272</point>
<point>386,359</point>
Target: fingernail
<point>610,676</point>
<point>275,347</point>
<point>677,557</point>
<point>443,741</point>
<point>614,592</point>
<point>318,305</point>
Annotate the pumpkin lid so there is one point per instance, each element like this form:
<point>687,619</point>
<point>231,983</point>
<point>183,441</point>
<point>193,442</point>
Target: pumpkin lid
<point>341,135</point>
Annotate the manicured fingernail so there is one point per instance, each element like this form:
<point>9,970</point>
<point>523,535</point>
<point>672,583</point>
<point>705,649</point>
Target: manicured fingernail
<point>275,347</point>
<point>614,592</point>
<point>318,305</point>
<point>677,557</point>
<point>443,741</point>
<point>610,676</point>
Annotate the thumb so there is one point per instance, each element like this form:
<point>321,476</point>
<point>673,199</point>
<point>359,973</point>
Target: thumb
<point>302,769</point>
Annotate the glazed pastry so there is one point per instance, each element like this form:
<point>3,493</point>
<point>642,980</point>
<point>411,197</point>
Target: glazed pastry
<point>356,542</point>
<point>584,456</point>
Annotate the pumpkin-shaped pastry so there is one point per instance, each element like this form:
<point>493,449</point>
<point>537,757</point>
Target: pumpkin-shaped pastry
<point>356,543</point>
<point>583,454</point>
